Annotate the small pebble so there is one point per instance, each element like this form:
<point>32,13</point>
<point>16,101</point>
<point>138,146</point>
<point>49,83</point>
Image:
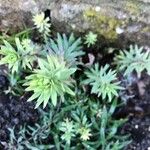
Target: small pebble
<point>136,126</point>
<point>73,26</point>
<point>97,8</point>
<point>119,30</point>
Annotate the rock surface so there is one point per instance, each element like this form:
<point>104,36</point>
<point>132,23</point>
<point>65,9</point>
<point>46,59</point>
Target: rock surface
<point>125,21</point>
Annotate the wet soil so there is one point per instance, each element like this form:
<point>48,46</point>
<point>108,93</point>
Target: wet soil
<point>137,110</point>
<point>14,112</point>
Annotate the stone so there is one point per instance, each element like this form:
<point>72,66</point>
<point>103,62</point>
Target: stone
<point>103,17</point>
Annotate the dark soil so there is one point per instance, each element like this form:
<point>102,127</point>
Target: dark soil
<point>137,110</point>
<point>14,112</point>
<point>139,128</point>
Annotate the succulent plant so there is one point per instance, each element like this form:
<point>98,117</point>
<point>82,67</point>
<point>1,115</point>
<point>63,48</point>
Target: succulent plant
<point>51,80</point>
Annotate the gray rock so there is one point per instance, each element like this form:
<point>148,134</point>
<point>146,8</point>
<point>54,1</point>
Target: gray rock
<point>15,15</point>
<point>120,21</point>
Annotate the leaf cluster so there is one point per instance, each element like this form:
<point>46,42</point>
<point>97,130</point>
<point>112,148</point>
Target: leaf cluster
<point>103,81</point>
<point>67,48</point>
<point>85,124</point>
<point>51,80</point>
<point>90,39</point>
<point>133,60</point>
<point>22,56</point>
<point>42,24</point>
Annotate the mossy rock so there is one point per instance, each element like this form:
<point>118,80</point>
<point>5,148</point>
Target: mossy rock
<point>103,24</point>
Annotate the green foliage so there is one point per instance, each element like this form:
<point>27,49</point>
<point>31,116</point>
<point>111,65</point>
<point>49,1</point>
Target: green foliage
<point>90,39</point>
<point>67,127</point>
<point>15,86</point>
<point>20,141</point>
<point>14,141</point>
<point>103,82</point>
<point>90,130</point>
<point>80,122</point>
<point>29,53</point>
<point>67,48</point>
<point>82,125</point>
<point>51,80</point>
<point>42,24</point>
<point>20,57</point>
<point>133,60</point>
<point>11,57</point>
<point>83,128</point>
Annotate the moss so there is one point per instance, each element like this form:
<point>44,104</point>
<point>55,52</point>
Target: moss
<point>102,24</point>
<point>146,29</point>
<point>132,7</point>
